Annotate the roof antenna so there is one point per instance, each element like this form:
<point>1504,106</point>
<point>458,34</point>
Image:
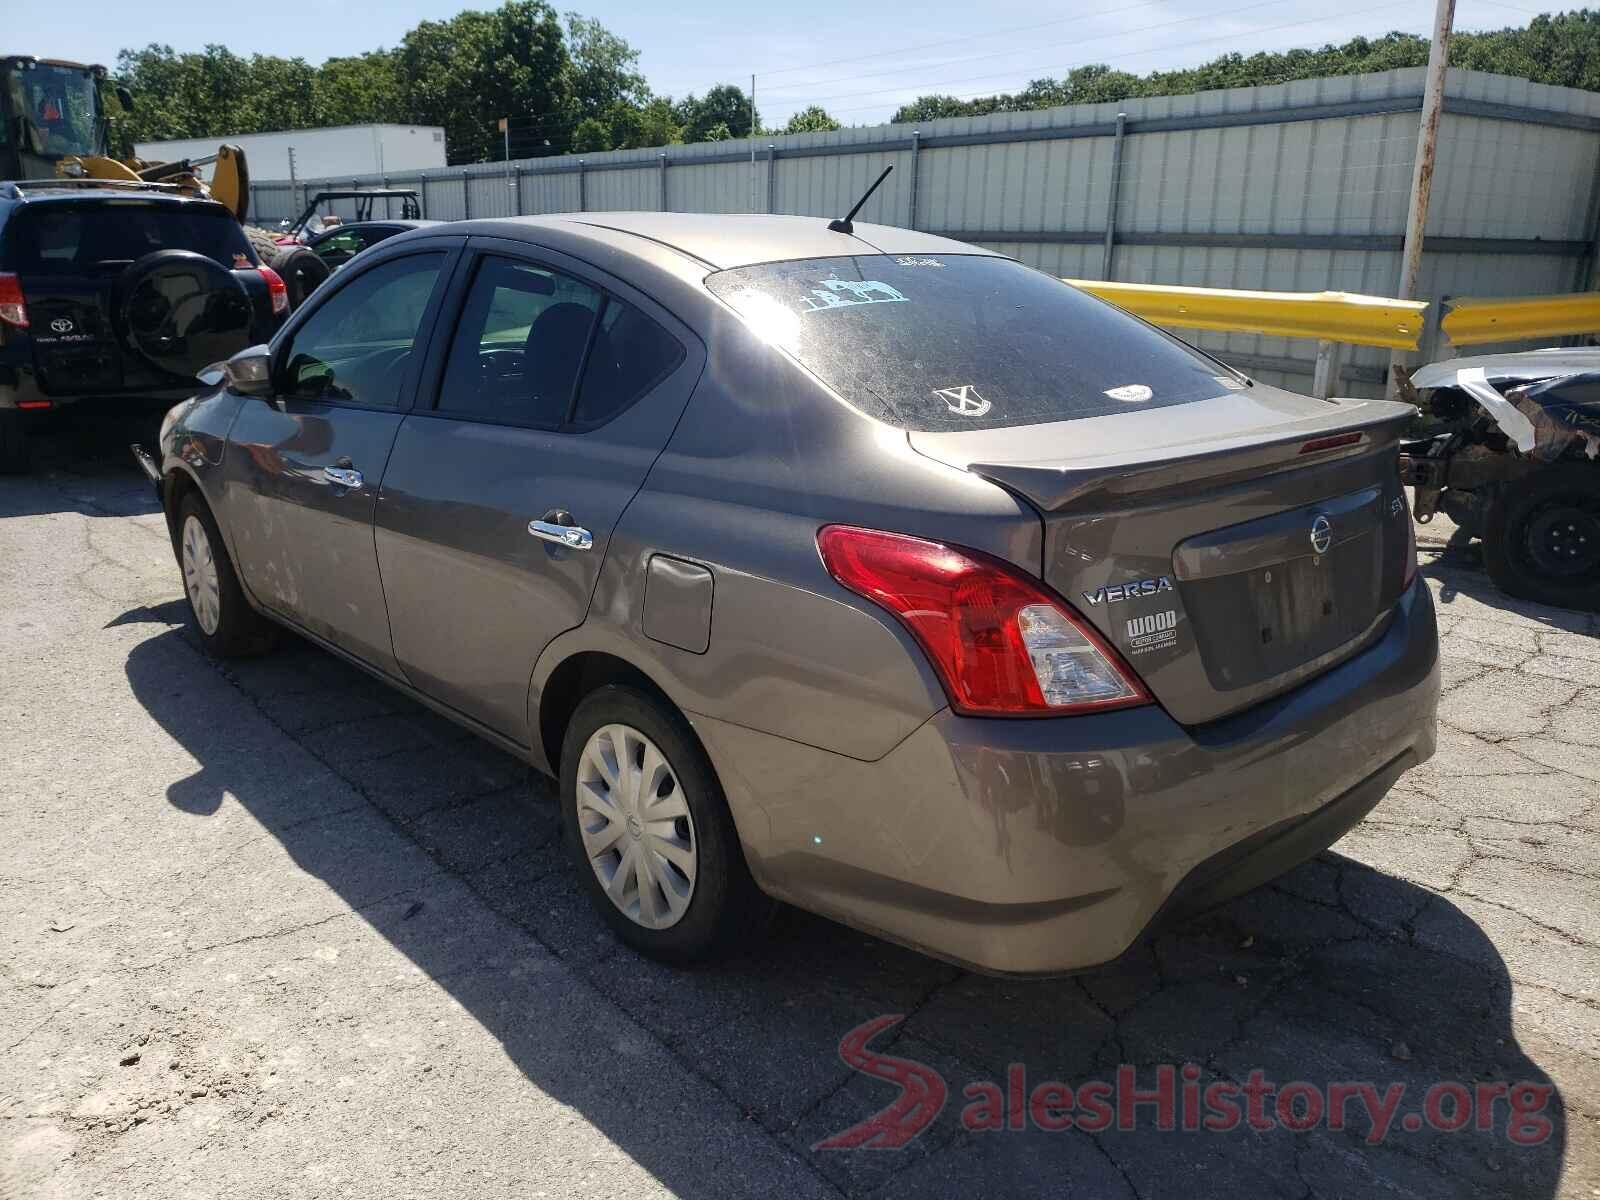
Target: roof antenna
<point>842,225</point>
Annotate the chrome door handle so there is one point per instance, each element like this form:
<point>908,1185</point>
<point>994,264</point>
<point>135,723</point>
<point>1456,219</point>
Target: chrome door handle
<point>573,537</point>
<point>345,477</point>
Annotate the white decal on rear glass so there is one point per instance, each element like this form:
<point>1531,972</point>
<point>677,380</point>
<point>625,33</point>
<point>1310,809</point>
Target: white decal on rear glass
<point>847,293</point>
<point>1131,393</point>
<point>917,262</point>
<point>964,401</point>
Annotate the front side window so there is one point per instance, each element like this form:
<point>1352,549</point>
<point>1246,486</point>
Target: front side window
<point>355,348</point>
<point>953,342</point>
<point>340,247</point>
<point>519,344</point>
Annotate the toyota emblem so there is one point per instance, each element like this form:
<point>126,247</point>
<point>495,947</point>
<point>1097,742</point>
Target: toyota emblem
<point>1321,533</point>
<point>61,325</point>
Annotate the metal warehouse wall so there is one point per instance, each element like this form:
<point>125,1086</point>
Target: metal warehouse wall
<point>1293,187</point>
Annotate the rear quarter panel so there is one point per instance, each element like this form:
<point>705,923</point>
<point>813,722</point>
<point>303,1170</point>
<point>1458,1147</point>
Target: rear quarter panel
<point>762,459</point>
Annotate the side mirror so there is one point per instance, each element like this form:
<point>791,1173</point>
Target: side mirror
<point>249,372</point>
<point>124,98</point>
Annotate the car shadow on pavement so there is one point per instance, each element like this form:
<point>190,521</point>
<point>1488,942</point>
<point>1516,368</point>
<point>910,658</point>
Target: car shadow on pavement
<point>1336,974</point>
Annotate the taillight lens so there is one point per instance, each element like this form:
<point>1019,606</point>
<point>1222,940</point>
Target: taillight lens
<point>277,289</point>
<point>1002,644</point>
<point>13,308</point>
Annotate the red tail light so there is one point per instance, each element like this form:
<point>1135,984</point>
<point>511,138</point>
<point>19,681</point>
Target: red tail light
<point>13,308</point>
<point>1001,643</point>
<point>277,289</point>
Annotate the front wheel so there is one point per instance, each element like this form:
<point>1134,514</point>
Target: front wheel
<point>228,626</point>
<point>650,829</point>
<point>1541,536</point>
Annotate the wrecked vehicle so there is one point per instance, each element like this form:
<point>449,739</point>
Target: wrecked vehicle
<point>1509,449</point>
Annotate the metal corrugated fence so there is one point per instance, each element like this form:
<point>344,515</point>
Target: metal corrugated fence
<point>1297,187</point>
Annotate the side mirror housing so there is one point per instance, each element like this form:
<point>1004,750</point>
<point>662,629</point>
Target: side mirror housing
<point>249,372</point>
<point>125,98</point>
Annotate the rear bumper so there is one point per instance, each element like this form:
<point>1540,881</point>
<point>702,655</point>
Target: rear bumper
<point>1049,846</point>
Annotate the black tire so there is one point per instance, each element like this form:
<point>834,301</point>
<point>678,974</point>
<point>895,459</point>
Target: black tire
<point>13,443</point>
<point>238,630</point>
<point>726,911</point>
<point>302,271</point>
<point>1541,536</point>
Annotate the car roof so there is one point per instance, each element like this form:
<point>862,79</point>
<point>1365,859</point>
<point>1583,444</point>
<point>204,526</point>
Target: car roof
<point>723,240</point>
<point>43,191</point>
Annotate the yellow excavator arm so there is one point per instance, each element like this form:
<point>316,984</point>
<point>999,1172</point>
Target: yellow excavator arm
<point>230,177</point>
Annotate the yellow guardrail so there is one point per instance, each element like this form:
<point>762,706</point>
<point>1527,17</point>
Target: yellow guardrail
<point>1326,316</point>
<point>1473,321</point>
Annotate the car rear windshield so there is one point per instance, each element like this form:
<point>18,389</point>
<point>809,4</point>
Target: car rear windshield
<point>949,342</point>
<point>90,238</point>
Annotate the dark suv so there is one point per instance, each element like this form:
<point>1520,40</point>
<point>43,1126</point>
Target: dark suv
<point>118,294</point>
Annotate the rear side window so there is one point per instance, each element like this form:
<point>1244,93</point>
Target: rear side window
<point>951,342</point>
<point>631,355</point>
<point>90,239</point>
<point>519,344</point>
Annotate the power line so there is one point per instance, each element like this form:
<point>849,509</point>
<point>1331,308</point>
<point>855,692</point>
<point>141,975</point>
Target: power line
<point>1053,46</point>
<point>556,121</point>
<point>952,41</point>
<point>1099,59</point>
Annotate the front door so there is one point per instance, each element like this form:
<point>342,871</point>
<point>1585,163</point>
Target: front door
<point>559,391</point>
<point>302,470</point>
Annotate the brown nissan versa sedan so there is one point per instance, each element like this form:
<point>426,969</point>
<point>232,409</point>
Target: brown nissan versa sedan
<point>865,570</point>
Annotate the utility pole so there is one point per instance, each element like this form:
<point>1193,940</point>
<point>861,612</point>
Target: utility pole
<point>753,132</point>
<point>505,130</point>
<point>1422,170</point>
<point>294,205</point>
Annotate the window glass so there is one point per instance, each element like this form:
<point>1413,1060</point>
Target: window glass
<point>340,247</point>
<point>355,348</point>
<point>951,341</point>
<point>631,355</point>
<point>519,344</point>
<point>102,237</point>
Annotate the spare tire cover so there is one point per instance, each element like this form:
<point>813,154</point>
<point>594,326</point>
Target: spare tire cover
<point>180,311</point>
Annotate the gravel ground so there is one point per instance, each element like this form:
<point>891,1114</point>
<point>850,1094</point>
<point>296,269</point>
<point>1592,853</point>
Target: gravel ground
<point>269,929</point>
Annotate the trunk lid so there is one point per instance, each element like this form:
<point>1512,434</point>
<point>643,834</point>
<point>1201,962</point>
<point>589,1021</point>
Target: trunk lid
<point>72,261</point>
<point>1231,549</point>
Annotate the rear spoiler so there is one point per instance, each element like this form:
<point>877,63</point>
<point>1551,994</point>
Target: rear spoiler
<point>1226,460</point>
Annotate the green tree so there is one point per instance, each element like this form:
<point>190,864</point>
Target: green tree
<point>360,90</point>
<point>590,136</point>
<point>465,73</point>
<point>603,72</point>
<point>724,110</point>
<point>814,119</point>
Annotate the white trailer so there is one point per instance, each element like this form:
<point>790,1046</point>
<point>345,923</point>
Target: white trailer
<point>337,152</point>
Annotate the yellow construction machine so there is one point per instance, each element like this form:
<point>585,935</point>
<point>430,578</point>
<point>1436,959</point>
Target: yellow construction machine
<point>54,125</point>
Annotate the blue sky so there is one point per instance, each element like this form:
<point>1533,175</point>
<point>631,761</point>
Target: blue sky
<point>894,50</point>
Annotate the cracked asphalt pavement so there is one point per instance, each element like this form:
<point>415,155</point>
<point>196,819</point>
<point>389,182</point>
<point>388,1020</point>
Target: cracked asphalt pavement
<point>269,929</point>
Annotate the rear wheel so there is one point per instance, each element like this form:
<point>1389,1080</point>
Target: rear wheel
<point>650,829</point>
<point>1541,536</point>
<point>228,626</point>
<point>302,271</point>
<point>13,443</point>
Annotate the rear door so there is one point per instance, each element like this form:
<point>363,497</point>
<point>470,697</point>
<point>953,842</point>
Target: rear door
<point>302,470</point>
<point>558,390</point>
<point>96,330</point>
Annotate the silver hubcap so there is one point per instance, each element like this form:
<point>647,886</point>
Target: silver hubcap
<point>200,576</point>
<point>636,826</point>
